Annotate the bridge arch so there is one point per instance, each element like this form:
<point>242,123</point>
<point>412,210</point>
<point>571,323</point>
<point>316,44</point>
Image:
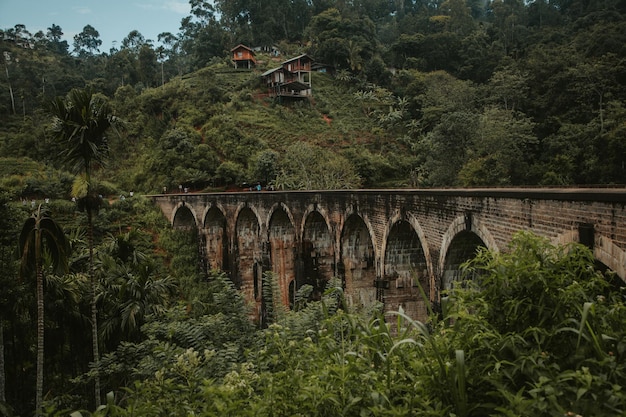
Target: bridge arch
<point>358,261</point>
<point>350,211</point>
<point>320,210</point>
<point>211,207</point>
<point>397,228</point>
<point>318,251</point>
<point>280,207</point>
<point>605,251</point>
<point>282,246</point>
<point>611,255</point>
<point>215,231</point>
<point>248,261</point>
<point>244,207</point>
<point>184,216</point>
<point>464,235</point>
<point>405,269</point>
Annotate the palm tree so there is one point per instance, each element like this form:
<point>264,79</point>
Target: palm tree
<point>132,292</point>
<point>133,286</point>
<point>41,236</point>
<point>80,123</point>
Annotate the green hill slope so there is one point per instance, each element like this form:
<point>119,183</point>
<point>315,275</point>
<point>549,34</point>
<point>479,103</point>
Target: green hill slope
<point>193,129</point>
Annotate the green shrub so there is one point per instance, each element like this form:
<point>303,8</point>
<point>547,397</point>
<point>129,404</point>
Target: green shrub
<point>536,332</point>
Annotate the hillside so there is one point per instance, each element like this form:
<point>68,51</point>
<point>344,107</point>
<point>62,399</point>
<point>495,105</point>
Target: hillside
<point>444,95</point>
<point>208,128</point>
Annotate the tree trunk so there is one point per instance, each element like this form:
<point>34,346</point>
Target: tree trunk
<point>10,88</point>
<point>40,341</point>
<point>3,397</point>
<point>94,309</point>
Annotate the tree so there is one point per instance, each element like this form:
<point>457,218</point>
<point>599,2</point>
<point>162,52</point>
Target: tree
<point>229,173</point>
<point>87,42</point>
<point>132,292</point>
<point>341,41</point>
<point>7,61</point>
<point>452,137</point>
<point>508,87</point>
<point>134,41</point>
<point>147,65</point>
<point>501,151</point>
<point>55,44</point>
<point>8,231</point>
<point>310,167</point>
<point>169,53</point>
<point>509,18</point>
<point>263,165</point>
<point>41,237</point>
<point>203,41</point>
<point>80,123</point>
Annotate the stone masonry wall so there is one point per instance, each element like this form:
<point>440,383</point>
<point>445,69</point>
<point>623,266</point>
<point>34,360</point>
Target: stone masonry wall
<point>349,233</point>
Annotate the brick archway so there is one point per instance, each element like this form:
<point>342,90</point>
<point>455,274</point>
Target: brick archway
<point>184,216</point>
<point>469,233</point>
<point>281,238</point>
<point>358,262</point>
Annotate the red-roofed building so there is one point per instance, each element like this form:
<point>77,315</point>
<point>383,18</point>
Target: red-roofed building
<point>243,57</point>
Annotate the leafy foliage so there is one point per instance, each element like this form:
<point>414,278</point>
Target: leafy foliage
<point>307,167</point>
<point>537,332</point>
<point>547,93</point>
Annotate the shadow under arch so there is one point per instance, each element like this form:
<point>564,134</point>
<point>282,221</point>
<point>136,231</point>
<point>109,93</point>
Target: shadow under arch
<point>318,253</point>
<point>459,245</point>
<point>216,239</point>
<point>184,216</point>
<point>247,260</point>
<point>282,245</point>
<point>406,280</point>
<point>357,262</point>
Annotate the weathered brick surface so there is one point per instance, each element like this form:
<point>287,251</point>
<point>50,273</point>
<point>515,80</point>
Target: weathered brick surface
<point>385,244</point>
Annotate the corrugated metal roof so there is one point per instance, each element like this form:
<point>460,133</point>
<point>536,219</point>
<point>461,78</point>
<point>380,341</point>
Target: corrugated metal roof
<point>268,72</point>
<point>242,46</point>
<point>297,57</point>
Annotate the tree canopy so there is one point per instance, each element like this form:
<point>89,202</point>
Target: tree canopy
<point>430,76</point>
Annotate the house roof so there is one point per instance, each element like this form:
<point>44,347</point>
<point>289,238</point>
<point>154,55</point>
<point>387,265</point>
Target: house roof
<point>241,46</point>
<point>268,72</point>
<point>317,65</point>
<point>298,57</point>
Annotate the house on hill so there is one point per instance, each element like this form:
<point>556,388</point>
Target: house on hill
<point>243,57</point>
<point>291,79</point>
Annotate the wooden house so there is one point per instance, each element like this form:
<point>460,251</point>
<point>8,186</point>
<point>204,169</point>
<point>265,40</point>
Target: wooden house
<point>291,79</point>
<point>243,57</point>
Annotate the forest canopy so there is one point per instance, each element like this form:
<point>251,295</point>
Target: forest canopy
<point>418,94</point>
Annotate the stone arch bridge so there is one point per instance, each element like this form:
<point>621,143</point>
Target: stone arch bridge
<point>393,246</point>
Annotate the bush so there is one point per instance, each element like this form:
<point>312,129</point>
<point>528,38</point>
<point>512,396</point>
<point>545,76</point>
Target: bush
<point>541,328</point>
<point>536,332</point>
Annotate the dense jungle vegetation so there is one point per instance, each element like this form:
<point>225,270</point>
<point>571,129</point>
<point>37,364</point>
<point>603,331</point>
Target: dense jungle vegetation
<point>104,302</point>
<point>438,93</point>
